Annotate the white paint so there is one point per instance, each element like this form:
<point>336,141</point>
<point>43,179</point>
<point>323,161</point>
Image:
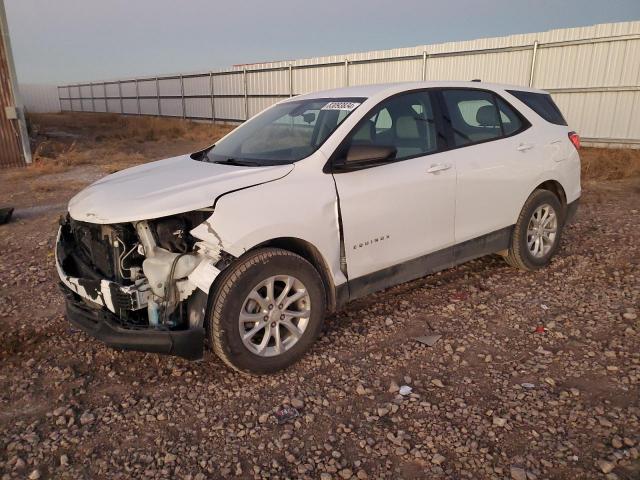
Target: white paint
<point>163,188</point>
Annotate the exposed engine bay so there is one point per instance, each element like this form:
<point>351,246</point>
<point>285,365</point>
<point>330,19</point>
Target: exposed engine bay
<point>150,274</point>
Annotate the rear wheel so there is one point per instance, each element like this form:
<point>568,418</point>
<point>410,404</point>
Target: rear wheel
<point>536,236</point>
<point>268,308</point>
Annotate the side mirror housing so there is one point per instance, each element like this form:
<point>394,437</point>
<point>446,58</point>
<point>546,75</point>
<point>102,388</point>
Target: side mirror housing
<point>365,156</point>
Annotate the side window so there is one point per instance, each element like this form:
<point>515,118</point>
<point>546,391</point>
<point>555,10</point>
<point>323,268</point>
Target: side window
<point>477,116</point>
<point>405,122</point>
<point>473,116</point>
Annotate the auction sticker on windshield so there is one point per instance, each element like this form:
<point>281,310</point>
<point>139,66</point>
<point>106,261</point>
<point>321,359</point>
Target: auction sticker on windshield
<point>348,106</point>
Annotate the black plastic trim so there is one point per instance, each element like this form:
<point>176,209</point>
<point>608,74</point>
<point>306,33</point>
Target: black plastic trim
<point>103,326</point>
<point>572,210</point>
<point>433,262</point>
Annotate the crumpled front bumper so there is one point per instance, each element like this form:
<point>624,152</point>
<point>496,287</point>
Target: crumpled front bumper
<point>91,305</point>
<point>104,326</point>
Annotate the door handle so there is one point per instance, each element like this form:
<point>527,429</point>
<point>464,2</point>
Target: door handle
<point>524,147</point>
<point>438,167</point>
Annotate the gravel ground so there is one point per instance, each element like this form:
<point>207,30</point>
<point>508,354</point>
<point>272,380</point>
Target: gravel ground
<point>537,375</point>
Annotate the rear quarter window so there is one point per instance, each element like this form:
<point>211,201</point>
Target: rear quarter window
<point>542,104</point>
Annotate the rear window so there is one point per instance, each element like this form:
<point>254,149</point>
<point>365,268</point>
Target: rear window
<point>542,104</point>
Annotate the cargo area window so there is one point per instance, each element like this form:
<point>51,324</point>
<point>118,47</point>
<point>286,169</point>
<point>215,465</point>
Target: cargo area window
<point>542,104</point>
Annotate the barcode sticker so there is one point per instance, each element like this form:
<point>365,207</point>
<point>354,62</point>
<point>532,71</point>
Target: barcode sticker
<point>348,106</point>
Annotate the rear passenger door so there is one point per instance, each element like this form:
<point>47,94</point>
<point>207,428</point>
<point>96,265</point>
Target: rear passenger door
<point>495,159</point>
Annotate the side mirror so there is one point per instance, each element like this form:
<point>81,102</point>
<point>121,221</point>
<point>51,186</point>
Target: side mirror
<point>361,156</point>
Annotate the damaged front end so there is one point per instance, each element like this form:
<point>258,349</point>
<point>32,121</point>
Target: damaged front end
<point>141,285</point>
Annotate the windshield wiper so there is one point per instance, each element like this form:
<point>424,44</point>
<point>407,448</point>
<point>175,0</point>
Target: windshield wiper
<point>240,163</point>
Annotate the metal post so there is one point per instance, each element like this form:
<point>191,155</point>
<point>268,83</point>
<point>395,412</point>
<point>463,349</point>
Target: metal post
<point>81,97</point>
<point>184,112</point>
<point>138,97</point>
<point>106,100</point>
<point>93,101</point>
<point>346,72</point>
<point>424,65</point>
<point>69,96</point>
<point>158,95</point>
<point>59,98</point>
<point>290,80</point>
<point>120,95</point>
<point>213,98</point>
<point>246,94</point>
<point>533,63</point>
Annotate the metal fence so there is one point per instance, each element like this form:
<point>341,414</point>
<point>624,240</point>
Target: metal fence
<point>592,72</point>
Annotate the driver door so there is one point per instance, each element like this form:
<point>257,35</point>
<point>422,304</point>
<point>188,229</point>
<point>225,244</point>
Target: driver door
<point>398,215</point>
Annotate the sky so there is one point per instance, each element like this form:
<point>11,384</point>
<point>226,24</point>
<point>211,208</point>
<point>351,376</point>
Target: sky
<point>64,41</point>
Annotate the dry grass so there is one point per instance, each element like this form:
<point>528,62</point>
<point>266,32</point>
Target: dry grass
<point>610,163</point>
<point>110,141</point>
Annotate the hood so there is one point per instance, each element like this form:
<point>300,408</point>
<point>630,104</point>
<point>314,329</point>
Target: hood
<point>166,187</point>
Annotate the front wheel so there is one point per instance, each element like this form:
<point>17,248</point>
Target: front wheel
<point>267,310</point>
<point>536,235</point>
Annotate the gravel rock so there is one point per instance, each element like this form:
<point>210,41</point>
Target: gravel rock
<point>606,466</point>
<point>74,408</point>
<point>499,422</point>
<point>87,418</point>
<point>518,473</point>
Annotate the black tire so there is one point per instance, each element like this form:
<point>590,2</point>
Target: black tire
<point>519,255</point>
<point>228,298</point>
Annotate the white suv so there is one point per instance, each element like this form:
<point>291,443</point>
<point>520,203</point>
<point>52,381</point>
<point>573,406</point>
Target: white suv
<point>318,200</point>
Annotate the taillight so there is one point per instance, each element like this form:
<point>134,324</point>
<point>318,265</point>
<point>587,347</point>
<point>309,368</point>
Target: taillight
<point>575,139</point>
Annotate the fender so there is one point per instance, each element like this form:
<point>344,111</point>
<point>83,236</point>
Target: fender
<point>246,218</point>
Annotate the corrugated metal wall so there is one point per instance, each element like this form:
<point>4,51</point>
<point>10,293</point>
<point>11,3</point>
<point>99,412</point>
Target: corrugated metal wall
<point>592,72</point>
<point>38,98</point>
<point>11,152</point>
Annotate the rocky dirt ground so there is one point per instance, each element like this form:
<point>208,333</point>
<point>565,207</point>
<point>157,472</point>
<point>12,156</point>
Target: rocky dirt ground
<point>498,396</point>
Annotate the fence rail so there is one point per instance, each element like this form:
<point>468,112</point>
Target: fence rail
<point>594,77</point>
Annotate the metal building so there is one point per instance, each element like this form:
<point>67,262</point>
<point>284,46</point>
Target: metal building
<point>14,139</point>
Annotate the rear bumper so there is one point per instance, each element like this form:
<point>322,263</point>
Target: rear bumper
<point>572,209</point>
<point>103,325</point>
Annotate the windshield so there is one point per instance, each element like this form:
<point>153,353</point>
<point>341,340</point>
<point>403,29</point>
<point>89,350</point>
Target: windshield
<point>283,134</point>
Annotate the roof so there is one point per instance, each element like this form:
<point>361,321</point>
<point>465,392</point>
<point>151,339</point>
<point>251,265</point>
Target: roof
<point>385,89</point>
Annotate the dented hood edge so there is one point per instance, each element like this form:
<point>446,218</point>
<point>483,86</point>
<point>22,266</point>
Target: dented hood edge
<point>165,187</point>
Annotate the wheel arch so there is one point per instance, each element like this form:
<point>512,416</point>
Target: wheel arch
<point>556,188</point>
<point>310,253</point>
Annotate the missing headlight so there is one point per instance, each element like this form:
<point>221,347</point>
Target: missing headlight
<point>172,233</point>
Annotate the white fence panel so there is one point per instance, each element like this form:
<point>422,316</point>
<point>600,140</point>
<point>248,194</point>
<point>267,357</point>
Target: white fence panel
<point>593,73</point>
<point>42,98</point>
